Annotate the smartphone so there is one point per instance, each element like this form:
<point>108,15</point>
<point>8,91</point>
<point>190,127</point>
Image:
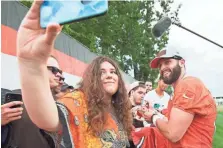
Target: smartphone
<point>9,97</point>
<point>67,11</point>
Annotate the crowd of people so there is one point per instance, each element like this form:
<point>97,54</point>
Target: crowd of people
<point>102,112</point>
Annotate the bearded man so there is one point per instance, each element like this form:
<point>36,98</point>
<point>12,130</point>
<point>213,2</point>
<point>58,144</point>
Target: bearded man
<point>191,110</point>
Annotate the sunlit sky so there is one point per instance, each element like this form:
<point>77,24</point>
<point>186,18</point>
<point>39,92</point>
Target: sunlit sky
<point>203,59</point>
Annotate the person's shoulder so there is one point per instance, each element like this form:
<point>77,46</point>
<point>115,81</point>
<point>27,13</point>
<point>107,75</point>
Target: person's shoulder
<point>75,94</point>
<point>166,95</point>
<point>189,82</point>
<point>75,98</point>
<point>149,94</point>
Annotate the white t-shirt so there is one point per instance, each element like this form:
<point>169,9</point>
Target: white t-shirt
<point>156,101</point>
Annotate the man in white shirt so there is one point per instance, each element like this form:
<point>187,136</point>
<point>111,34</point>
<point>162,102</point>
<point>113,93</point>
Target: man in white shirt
<point>158,98</point>
<point>149,86</point>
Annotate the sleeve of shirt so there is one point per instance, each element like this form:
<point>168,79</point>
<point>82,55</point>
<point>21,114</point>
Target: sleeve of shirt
<point>189,98</point>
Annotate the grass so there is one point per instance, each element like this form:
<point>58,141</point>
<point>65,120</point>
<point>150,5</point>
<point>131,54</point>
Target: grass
<point>218,140</point>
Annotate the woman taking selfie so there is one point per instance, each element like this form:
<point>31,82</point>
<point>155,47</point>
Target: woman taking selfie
<point>98,112</point>
<point>100,108</point>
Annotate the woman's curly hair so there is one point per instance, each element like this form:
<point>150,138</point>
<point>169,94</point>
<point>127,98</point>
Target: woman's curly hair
<point>96,99</point>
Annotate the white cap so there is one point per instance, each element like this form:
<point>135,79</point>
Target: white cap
<point>135,84</point>
<point>165,54</point>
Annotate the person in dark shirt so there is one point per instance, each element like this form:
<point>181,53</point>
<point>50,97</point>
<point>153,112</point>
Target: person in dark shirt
<point>17,128</point>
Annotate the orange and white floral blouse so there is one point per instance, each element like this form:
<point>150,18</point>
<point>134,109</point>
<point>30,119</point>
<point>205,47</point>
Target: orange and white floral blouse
<point>113,136</point>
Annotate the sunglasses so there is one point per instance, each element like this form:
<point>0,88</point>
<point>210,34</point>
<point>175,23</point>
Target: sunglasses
<point>61,79</point>
<point>54,70</point>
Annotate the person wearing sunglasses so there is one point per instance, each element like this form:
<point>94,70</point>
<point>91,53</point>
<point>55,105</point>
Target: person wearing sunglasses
<point>56,78</point>
<point>32,135</point>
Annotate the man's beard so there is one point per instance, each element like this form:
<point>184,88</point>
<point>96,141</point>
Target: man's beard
<point>174,75</point>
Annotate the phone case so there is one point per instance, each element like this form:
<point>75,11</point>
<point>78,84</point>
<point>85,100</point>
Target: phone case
<point>13,97</point>
<point>63,12</point>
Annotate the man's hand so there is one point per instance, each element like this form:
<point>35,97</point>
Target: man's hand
<point>148,115</point>
<point>10,114</point>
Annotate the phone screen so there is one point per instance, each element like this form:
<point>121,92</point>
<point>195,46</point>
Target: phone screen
<point>62,11</point>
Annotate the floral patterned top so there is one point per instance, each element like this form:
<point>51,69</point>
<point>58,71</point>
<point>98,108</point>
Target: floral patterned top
<point>113,136</point>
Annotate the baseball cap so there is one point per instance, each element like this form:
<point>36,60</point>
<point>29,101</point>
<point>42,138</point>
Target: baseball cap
<point>135,84</point>
<point>65,86</point>
<point>165,54</point>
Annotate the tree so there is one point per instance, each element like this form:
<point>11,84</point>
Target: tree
<point>124,34</point>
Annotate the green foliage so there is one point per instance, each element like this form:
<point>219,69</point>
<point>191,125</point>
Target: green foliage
<point>27,3</point>
<point>218,143</point>
<point>124,34</point>
<point>169,90</point>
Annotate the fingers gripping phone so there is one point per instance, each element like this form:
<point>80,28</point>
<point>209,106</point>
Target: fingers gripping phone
<point>9,97</point>
<point>67,11</point>
<point>140,113</point>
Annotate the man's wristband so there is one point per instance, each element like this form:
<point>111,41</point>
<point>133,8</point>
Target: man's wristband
<point>154,118</point>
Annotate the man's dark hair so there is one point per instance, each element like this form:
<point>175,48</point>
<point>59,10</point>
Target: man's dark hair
<point>141,84</point>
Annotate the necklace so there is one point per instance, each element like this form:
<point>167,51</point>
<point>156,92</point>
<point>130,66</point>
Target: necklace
<point>123,136</point>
